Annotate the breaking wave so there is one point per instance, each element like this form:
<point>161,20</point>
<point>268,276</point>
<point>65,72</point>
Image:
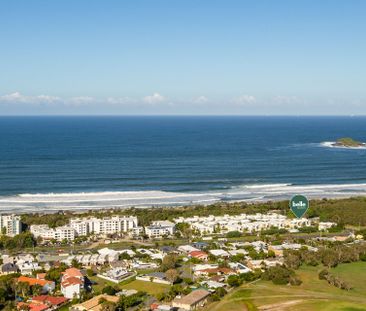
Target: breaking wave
<point>53,202</point>
<point>330,144</point>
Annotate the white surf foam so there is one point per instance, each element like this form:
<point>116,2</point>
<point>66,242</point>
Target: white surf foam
<point>51,202</point>
<point>330,144</point>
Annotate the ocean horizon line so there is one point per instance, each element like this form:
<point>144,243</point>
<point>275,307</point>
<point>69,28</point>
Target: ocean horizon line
<point>189,115</point>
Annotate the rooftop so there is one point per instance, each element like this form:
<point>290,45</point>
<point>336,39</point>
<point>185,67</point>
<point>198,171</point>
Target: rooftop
<point>194,297</point>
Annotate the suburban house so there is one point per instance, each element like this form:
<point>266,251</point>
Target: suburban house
<point>155,277</point>
<point>199,255</point>
<point>219,253</point>
<point>9,268</point>
<point>186,249</point>
<point>192,301</point>
<point>72,283</point>
<point>93,304</point>
<point>50,301</point>
<point>215,271</point>
<point>47,286</point>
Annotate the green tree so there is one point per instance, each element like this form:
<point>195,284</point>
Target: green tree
<point>109,290</point>
<point>169,262</point>
<point>172,275</point>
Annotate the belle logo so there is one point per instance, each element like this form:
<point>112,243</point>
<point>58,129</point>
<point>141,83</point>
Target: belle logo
<point>299,204</point>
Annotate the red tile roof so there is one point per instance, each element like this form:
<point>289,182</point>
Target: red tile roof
<point>33,306</point>
<point>33,281</point>
<point>37,307</point>
<point>51,300</point>
<point>198,254</point>
<point>71,281</point>
<point>73,272</point>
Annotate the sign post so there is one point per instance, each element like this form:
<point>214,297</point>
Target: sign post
<point>299,204</point>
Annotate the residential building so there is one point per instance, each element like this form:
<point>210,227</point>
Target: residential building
<point>72,283</point>
<point>115,275</point>
<point>323,226</point>
<point>58,233</point>
<point>27,267</point>
<point>93,304</point>
<point>159,229</point>
<point>186,249</point>
<point>9,268</point>
<point>103,226</point>
<point>155,277</point>
<point>47,286</point>
<point>197,298</point>
<point>198,255</point>
<point>10,225</point>
<point>219,253</point>
<point>215,271</point>
<point>50,301</point>
<point>208,225</point>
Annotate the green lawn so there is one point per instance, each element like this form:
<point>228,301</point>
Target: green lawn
<point>312,295</point>
<point>149,287</point>
<point>100,283</point>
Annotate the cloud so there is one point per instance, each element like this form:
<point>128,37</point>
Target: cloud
<point>13,97</point>
<point>119,100</point>
<point>287,100</point>
<point>200,100</point>
<point>47,99</point>
<point>245,99</point>
<point>81,100</point>
<point>154,99</point>
<point>17,97</point>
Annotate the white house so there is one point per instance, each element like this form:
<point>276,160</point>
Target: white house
<point>72,283</point>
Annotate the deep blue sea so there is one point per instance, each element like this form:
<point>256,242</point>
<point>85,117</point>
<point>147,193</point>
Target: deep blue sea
<point>93,162</point>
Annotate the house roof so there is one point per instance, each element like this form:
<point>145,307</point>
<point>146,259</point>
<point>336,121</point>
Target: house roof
<point>40,307</point>
<point>193,297</point>
<point>158,275</point>
<point>198,254</point>
<point>218,270</point>
<point>9,267</point>
<point>32,306</point>
<point>33,281</point>
<point>93,304</point>
<point>71,281</point>
<point>51,300</point>
<point>73,272</point>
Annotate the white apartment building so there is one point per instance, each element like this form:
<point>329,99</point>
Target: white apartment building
<point>159,229</point>
<point>10,225</point>
<point>86,226</point>
<point>323,226</point>
<point>58,233</point>
<point>107,225</point>
<point>243,222</point>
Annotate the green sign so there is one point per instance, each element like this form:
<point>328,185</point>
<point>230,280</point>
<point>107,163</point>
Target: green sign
<point>299,205</point>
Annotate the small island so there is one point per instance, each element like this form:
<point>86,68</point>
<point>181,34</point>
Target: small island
<point>348,142</point>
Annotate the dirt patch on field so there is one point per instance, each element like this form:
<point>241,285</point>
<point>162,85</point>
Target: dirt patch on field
<point>281,306</point>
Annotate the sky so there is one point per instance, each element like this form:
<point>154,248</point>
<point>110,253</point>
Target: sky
<point>182,57</point>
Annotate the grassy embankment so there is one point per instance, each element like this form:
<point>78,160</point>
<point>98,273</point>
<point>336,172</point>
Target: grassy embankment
<point>312,295</point>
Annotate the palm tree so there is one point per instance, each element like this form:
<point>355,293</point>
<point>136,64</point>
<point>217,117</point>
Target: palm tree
<point>23,288</point>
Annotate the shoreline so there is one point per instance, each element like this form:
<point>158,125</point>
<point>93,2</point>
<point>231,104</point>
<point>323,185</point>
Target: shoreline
<point>115,209</point>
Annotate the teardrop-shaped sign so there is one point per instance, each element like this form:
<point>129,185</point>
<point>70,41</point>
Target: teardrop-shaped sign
<point>299,204</point>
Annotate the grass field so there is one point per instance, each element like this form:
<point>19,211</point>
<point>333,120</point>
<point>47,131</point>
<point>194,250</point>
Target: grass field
<point>149,287</point>
<point>312,295</point>
<point>100,283</point>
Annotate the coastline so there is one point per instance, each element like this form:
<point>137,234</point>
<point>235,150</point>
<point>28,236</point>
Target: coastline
<point>83,202</point>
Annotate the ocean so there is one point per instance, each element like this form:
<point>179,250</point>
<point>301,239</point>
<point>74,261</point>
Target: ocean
<point>78,163</point>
